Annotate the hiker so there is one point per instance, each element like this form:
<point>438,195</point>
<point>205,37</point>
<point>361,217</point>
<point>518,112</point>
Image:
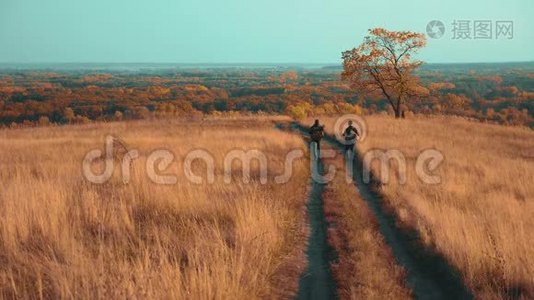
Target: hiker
<point>317,133</point>
<point>350,133</point>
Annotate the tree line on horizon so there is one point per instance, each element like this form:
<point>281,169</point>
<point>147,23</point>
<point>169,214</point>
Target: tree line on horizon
<point>379,76</point>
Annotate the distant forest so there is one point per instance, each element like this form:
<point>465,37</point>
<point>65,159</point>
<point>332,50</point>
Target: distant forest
<point>37,95</point>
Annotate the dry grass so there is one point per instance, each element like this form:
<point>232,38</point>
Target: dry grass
<point>366,268</point>
<point>63,237</point>
<point>481,216</point>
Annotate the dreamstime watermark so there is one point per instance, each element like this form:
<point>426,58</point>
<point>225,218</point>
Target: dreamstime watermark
<point>466,29</point>
<point>342,122</point>
<point>160,162</point>
<point>426,163</point>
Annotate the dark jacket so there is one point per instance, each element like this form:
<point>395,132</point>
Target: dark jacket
<point>348,133</point>
<point>317,132</point>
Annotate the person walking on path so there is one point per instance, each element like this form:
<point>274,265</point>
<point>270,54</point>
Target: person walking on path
<point>317,133</point>
<point>350,134</point>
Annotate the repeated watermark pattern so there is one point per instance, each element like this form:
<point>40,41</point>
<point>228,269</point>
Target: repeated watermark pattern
<point>159,161</point>
<point>472,29</point>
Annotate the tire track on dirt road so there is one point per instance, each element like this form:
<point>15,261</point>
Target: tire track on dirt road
<point>317,282</point>
<point>427,273</point>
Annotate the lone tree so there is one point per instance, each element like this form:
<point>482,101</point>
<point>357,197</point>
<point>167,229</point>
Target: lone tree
<point>383,64</point>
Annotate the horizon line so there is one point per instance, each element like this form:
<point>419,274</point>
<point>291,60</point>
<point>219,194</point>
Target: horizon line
<point>244,63</point>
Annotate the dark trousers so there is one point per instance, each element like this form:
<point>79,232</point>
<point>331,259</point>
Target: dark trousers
<point>318,144</point>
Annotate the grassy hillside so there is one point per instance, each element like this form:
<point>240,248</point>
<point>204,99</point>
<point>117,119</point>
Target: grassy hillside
<point>63,237</point>
<point>480,217</point>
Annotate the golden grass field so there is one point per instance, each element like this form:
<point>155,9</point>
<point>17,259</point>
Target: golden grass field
<point>63,237</point>
<point>481,216</point>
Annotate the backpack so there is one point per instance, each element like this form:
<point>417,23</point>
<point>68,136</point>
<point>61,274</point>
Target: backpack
<point>349,134</point>
<point>317,133</point>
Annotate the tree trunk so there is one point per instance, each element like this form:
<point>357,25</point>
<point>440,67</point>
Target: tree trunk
<point>398,108</point>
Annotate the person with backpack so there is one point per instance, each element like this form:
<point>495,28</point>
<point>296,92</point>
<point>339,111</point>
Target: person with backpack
<point>350,134</point>
<point>317,132</point>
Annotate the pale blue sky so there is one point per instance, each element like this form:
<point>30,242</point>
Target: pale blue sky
<point>245,31</point>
